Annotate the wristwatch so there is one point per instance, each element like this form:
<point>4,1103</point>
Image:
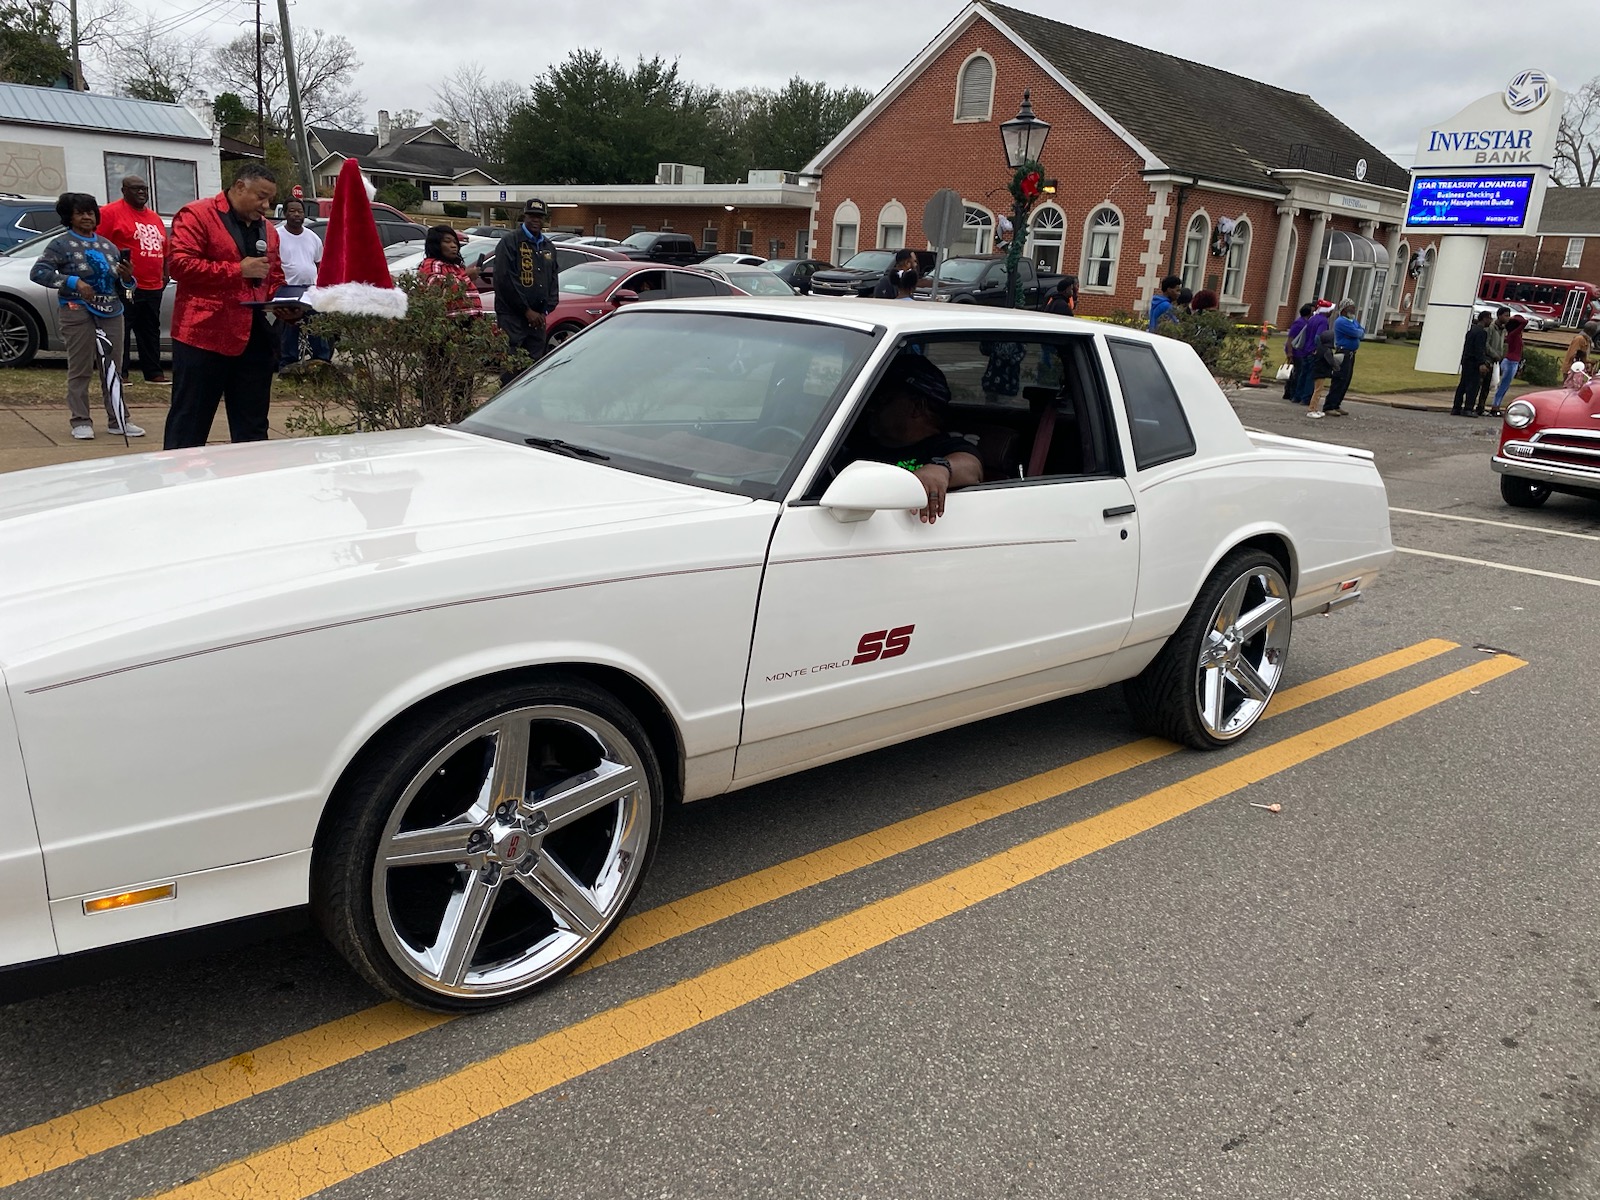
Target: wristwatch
<point>938,460</point>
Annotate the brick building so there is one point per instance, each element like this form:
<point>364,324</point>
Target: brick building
<point>1565,246</point>
<point>1150,153</point>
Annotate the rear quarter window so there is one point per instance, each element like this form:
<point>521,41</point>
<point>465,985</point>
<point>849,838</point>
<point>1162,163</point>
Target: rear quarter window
<point>1156,421</point>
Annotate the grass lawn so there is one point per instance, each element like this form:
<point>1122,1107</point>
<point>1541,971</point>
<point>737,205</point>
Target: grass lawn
<point>1384,367</point>
<point>45,383</point>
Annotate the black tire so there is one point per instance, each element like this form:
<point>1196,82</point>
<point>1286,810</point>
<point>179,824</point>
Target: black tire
<point>1166,697</point>
<point>593,861</point>
<point>20,335</point>
<point>562,332</point>
<point>1522,493</point>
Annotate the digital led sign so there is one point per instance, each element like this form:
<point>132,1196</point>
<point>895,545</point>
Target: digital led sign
<point>1469,201</point>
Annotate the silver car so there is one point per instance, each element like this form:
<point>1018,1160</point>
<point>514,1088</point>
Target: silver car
<point>29,314</point>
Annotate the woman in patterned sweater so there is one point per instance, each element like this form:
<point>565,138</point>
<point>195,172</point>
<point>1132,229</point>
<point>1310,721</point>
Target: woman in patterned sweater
<point>87,273</point>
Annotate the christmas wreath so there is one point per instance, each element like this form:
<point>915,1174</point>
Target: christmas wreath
<point>1027,183</point>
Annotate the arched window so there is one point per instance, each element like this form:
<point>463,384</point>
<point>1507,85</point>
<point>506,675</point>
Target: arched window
<point>846,231</point>
<point>1402,261</point>
<point>975,88</point>
<point>892,226</point>
<point>1419,297</point>
<point>1049,231</point>
<point>1195,244</point>
<point>977,232</point>
<point>1102,246</point>
<point>1233,267</point>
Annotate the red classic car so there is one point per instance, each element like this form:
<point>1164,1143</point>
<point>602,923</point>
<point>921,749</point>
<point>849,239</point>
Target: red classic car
<point>1550,442</point>
<point>591,291</point>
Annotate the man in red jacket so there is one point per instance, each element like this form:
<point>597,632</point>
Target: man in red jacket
<point>224,253</point>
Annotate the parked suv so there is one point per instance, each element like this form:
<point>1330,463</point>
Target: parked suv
<point>23,217</point>
<point>861,274</point>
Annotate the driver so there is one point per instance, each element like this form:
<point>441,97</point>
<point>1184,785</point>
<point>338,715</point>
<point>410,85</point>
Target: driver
<point>904,424</point>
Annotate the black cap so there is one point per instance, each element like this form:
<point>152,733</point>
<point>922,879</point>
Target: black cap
<point>535,206</point>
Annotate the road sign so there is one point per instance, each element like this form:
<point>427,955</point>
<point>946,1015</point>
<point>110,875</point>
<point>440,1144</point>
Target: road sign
<point>298,192</point>
<point>943,217</point>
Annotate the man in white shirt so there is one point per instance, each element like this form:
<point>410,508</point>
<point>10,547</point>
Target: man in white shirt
<point>300,251</point>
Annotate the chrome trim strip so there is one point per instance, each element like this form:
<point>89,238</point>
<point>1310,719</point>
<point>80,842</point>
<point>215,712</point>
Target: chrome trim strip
<point>1533,468</point>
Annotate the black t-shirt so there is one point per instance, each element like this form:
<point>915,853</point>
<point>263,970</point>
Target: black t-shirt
<point>862,445</point>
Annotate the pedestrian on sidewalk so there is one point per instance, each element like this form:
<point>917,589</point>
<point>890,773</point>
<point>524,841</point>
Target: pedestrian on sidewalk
<point>525,287</point>
<point>1161,304</point>
<point>1474,366</point>
<point>87,273</point>
<point>1347,335</point>
<point>1324,366</point>
<point>1321,322</point>
<point>1511,364</point>
<point>1495,348</point>
<point>139,233</point>
<point>300,251</point>
<point>1297,350</point>
<point>1578,348</point>
<point>225,259</point>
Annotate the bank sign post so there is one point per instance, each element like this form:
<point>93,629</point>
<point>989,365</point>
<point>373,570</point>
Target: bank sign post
<point>1483,171</point>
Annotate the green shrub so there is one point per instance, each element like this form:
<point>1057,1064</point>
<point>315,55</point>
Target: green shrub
<point>1540,368</point>
<point>1227,349</point>
<point>454,208</point>
<point>430,367</point>
<point>503,215</point>
<point>399,194</point>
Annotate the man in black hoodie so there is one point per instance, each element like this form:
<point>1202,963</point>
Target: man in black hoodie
<point>1474,366</point>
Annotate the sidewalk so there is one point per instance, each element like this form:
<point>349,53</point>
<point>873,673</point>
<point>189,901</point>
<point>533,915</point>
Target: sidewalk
<point>40,435</point>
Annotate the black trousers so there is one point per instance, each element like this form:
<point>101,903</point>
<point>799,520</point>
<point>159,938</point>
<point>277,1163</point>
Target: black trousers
<point>143,329</point>
<point>1472,385</point>
<point>1341,382</point>
<point>201,378</point>
<point>530,341</point>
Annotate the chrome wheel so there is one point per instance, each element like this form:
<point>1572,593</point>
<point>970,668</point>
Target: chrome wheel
<point>1243,653</point>
<point>512,851</point>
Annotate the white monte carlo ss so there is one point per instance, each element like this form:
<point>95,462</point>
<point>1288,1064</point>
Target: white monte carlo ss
<point>439,684</point>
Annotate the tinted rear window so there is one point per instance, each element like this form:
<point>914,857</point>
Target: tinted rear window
<point>1159,429</point>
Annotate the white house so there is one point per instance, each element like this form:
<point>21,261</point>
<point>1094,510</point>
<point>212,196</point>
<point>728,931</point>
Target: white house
<point>53,141</point>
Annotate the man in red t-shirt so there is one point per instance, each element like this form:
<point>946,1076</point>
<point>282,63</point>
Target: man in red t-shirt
<point>133,228</point>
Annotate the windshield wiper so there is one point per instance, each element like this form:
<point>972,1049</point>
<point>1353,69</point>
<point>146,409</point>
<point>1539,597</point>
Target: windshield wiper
<point>567,448</point>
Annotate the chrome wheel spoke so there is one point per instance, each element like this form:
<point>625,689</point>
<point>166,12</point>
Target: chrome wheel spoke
<point>419,847</point>
<point>583,794</point>
<point>465,917</point>
<point>508,778</point>
<point>1212,706</point>
<point>1262,615</point>
<point>1232,602</point>
<point>1248,680</point>
<point>561,895</point>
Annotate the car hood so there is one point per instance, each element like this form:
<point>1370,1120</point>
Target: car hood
<point>844,274</point>
<point>125,544</point>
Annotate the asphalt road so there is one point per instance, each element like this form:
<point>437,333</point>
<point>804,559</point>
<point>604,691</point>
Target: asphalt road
<point>1110,977</point>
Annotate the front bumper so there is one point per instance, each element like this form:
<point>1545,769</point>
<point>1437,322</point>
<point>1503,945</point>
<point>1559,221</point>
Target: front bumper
<point>1541,470</point>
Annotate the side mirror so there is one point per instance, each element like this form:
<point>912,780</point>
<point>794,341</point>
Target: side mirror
<point>864,488</point>
<point>623,296</point>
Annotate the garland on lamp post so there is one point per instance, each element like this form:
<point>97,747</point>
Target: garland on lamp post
<point>1026,184</point>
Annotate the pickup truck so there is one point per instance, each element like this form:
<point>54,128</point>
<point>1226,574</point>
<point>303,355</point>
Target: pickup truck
<point>861,272</point>
<point>676,249</point>
<point>981,279</point>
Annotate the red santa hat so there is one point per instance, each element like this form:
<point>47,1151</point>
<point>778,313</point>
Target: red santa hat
<point>1323,306</point>
<point>354,275</point>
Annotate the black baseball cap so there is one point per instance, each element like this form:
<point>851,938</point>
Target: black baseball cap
<point>535,206</point>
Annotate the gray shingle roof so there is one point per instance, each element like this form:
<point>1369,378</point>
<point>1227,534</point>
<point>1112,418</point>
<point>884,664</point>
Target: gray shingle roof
<point>342,141</point>
<point>89,110</point>
<point>1571,210</point>
<point>1198,119</point>
<point>402,156</point>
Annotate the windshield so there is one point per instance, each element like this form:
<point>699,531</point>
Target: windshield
<point>712,398</point>
<point>34,247</point>
<point>871,260</point>
<point>962,270</point>
<point>591,278</point>
<point>641,241</point>
<point>759,282</point>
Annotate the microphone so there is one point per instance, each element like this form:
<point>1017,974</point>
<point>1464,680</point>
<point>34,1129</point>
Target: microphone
<point>261,248</point>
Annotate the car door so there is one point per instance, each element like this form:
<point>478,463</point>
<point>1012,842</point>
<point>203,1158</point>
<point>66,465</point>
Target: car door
<point>869,632</point>
<point>682,284</point>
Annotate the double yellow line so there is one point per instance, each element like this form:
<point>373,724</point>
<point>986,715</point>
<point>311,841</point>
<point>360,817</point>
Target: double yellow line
<point>345,1148</point>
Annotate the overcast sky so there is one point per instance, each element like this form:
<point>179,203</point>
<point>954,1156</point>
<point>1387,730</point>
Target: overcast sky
<point>1384,67</point>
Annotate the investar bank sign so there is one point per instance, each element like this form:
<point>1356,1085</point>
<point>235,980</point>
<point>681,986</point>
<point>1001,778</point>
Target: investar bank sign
<point>1485,145</point>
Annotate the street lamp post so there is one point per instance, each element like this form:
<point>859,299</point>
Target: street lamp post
<point>1024,137</point>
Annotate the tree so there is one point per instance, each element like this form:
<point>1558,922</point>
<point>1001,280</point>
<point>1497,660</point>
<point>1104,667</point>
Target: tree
<point>233,115</point>
<point>406,118</point>
<point>591,120</point>
<point>784,129</point>
<point>147,64</point>
<point>31,44</point>
<point>481,109</point>
<point>327,64</point>
<point>1577,157</point>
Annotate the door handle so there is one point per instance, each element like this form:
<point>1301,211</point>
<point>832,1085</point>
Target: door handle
<point>1121,510</point>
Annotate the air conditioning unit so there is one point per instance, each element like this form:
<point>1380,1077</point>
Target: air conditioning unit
<point>680,175</point>
<point>773,178</point>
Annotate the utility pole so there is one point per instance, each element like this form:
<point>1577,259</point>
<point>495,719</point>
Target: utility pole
<point>77,59</point>
<point>261,101</point>
<point>302,144</point>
